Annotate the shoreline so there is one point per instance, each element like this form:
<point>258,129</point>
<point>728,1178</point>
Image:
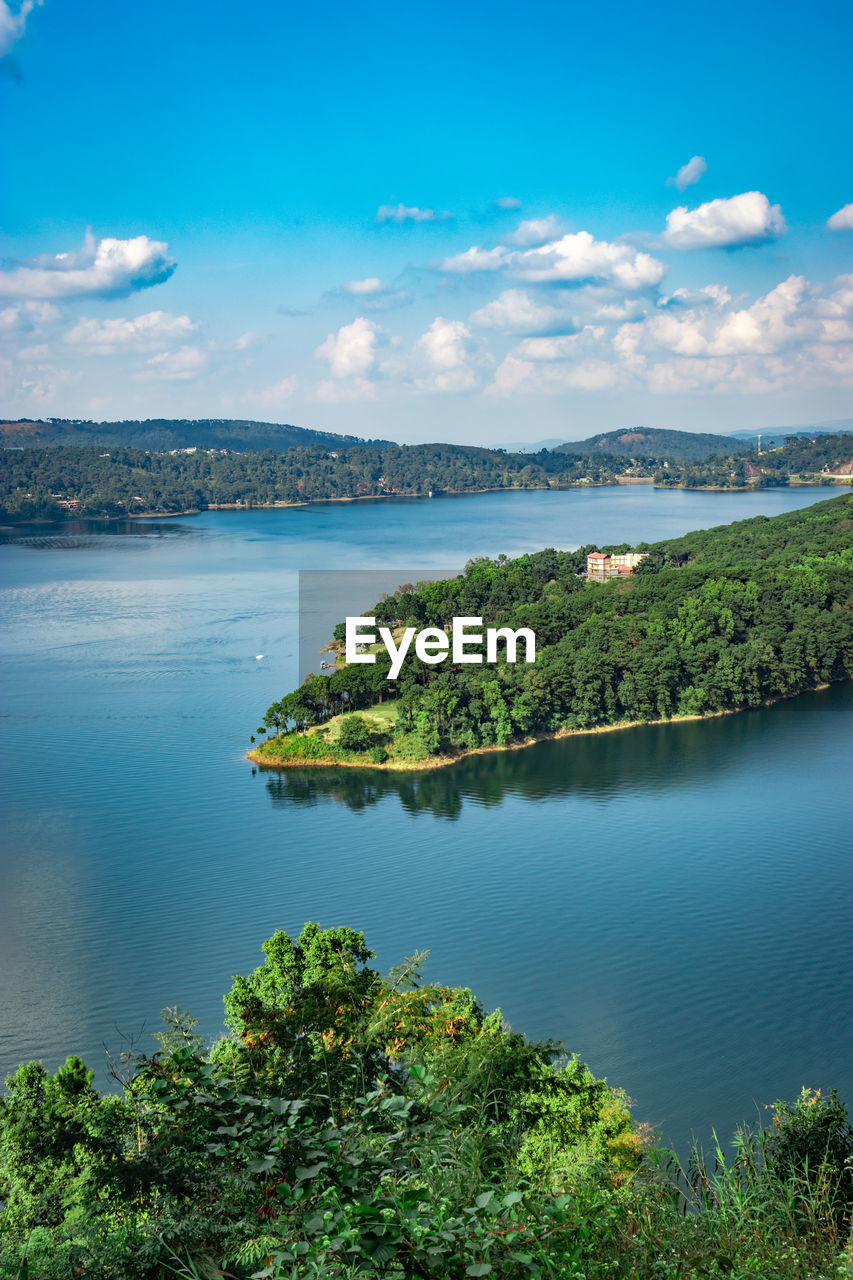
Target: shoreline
<point>836,482</point>
<point>444,762</point>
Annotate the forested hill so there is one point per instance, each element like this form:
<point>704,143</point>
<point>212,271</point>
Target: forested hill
<point>650,442</point>
<point>34,483</point>
<point>826,455</point>
<point>718,620</point>
<point>172,433</point>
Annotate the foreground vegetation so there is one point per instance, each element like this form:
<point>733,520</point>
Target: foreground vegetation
<point>350,1125</point>
<point>714,621</point>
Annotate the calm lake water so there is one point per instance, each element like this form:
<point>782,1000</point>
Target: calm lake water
<point>675,902</point>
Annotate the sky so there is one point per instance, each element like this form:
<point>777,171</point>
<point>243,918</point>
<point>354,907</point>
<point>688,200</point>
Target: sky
<point>460,221</point>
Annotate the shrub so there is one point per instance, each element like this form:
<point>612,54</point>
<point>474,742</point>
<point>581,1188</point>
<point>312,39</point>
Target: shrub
<point>355,734</point>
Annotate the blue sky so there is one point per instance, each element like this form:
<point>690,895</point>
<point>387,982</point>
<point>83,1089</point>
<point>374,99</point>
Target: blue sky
<point>429,222</point>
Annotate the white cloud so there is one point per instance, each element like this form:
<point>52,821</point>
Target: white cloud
<point>698,342</point>
<point>710,295</point>
<point>508,202</point>
<point>477,259</point>
<point>13,24</point>
<point>445,343</point>
<point>689,173</point>
<point>358,287</point>
<point>351,352</point>
<point>510,375</point>
<point>154,329</point>
<point>573,259</point>
<point>566,346</point>
<point>106,268</point>
<point>25,317</point>
<point>536,231</point>
<point>792,337</point>
<point>842,219</point>
<point>514,311</point>
<point>517,375</point>
<point>410,213</point>
<point>32,355</point>
<point>740,220</point>
<point>173,366</point>
<point>783,318</point>
<point>450,356</point>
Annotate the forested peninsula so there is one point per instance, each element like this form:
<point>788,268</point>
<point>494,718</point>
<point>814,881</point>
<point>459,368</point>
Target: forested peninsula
<point>715,621</point>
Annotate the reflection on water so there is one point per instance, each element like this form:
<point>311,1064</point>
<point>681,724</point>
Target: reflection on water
<point>90,535</point>
<point>652,759</point>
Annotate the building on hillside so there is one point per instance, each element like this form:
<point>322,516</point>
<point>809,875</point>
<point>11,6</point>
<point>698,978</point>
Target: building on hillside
<point>600,566</point>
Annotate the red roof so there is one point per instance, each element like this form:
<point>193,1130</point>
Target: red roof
<point>597,555</point>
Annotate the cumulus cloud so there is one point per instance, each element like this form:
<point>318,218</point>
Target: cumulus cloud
<point>698,341</point>
<point>515,311</point>
<point>575,258</point>
<point>25,317</point>
<point>105,268</point>
<point>565,346</point>
<point>784,317</point>
<point>154,329</point>
<point>400,213</point>
<point>689,173</point>
<point>536,230</point>
<point>173,366</point>
<point>793,336</point>
<point>508,202</point>
<point>749,218</point>
<point>450,356</point>
<point>13,23</point>
<point>842,219</point>
<point>351,352</point>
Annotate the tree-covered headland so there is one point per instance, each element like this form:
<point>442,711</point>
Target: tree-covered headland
<point>350,1126</point>
<point>714,621</point>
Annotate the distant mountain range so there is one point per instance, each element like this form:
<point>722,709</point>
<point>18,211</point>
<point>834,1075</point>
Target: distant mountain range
<point>238,435</point>
<point>650,442</point>
<point>163,434</point>
<point>778,435</point>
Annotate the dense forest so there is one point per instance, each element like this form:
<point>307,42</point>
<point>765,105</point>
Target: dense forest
<point>350,1125</point>
<point>713,621</point>
<point>170,433</point>
<point>41,483</point>
<point>35,482</point>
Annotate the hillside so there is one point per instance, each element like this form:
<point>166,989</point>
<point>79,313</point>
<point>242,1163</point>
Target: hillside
<point>650,442</point>
<point>171,433</point>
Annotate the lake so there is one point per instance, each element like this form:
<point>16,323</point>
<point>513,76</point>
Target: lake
<point>674,902</point>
